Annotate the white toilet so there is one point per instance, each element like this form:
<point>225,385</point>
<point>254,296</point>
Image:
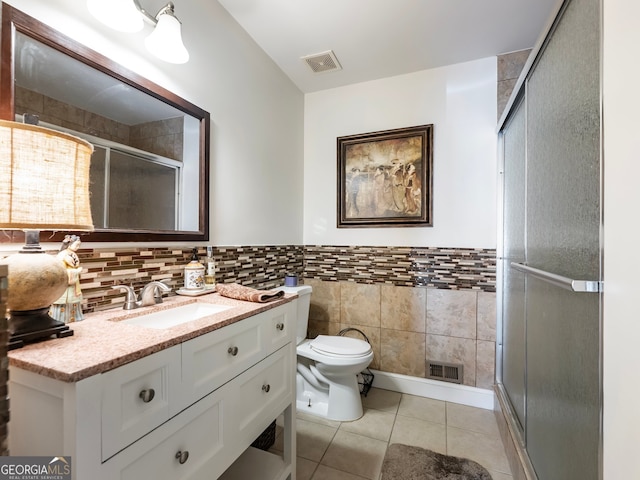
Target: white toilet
<point>327,382</point>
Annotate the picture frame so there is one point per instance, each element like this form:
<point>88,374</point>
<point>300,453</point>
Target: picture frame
<point>385,178</point>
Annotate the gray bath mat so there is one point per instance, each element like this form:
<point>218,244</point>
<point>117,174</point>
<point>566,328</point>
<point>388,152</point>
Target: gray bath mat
<point>404,462</point>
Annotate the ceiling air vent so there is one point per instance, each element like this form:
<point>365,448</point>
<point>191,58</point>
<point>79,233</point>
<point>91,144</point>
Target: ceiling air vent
<point>323,62</point>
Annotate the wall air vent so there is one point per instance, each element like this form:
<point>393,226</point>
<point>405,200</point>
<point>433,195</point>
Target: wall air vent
<point>448,372</point>
<point>323,62</point>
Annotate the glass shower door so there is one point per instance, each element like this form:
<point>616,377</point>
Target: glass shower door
<point>562,243</point>
<point>513,250</point>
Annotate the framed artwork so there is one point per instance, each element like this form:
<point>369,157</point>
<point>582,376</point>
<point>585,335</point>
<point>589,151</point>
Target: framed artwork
<point>385,178</point>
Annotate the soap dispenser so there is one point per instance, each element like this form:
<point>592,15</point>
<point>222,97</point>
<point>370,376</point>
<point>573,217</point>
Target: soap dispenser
<point>194,273</point>
<point>210,276</point>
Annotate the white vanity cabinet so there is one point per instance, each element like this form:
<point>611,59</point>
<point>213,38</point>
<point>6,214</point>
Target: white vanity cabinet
<point>186,412</point>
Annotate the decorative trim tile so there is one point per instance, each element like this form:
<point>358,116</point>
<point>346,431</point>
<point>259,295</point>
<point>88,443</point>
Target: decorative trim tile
<point>455,269</point>
<point>446,268</point>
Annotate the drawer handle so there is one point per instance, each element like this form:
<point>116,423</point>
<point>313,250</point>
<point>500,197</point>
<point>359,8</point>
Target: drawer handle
<point>280,326</point>
<point>233,351</point>
<point>147,395</point>
<point>266,388</point>
<point>182,456</point>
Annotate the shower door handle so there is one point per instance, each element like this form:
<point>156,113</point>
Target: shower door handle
<point>588,286</point>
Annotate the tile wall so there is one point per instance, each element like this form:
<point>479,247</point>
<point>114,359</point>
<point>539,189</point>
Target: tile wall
<point>407,326</point>
<point>259,267</point>
<point>414,304</point>
<point>163,137</point>
<point>509,67</point>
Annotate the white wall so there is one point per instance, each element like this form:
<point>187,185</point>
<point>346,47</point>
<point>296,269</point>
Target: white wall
<point>621,325</point>
<point>460,101</point>
<point>256,112</point>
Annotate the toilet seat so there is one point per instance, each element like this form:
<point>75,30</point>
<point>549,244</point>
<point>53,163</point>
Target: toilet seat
<point>337,346</point>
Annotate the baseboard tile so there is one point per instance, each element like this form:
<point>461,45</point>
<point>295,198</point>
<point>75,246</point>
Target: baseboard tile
<point>423,387</point>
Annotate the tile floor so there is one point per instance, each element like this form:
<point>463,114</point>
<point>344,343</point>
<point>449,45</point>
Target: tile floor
<point>330,450</point>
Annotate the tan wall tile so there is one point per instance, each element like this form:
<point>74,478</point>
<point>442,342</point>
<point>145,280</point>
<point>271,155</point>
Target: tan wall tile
<point>28,101</point>
<point>360,304</point>
<point>510,64</point>
<point>403,308</point>
<point>452,312</point>
<point>316,328</point>
<point>487,316</point>
<point>325,300</point>
<point>454,350</point>
<point>402,352</point>
<point>485,364</point>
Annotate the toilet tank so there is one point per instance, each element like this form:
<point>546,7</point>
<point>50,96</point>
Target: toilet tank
<point>304,302</point>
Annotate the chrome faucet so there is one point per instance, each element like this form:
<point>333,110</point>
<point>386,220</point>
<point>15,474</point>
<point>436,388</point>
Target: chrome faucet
<point>150,294</point>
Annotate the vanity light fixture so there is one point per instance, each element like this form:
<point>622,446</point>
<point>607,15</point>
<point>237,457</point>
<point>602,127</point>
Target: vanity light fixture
<point>44,185</point>
<point>165,42</point>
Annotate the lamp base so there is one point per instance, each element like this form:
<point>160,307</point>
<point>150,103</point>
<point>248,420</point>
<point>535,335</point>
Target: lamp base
<point>28,326</point>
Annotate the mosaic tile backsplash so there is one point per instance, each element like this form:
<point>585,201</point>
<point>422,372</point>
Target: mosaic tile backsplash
<point>447,268</point>
<point>258,267</point>
<point>265,267</point>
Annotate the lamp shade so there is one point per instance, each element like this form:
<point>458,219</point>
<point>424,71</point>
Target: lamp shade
<point>165,42</point>
<point>44,179</point>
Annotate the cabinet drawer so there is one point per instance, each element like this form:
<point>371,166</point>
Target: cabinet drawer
<point>138,397</point>
<point>282,326</point>
<point>215,358</point>
<point>192,445</point>
<point>262,393</point>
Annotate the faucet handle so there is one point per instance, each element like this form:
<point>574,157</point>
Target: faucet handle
<point>130,300</point>
<point>161,287</point>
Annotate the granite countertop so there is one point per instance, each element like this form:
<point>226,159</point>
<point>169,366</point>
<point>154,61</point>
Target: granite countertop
<point>101,342</point>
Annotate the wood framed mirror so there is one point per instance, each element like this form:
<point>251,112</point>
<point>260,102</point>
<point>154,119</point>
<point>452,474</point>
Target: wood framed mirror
<point>150,168</point>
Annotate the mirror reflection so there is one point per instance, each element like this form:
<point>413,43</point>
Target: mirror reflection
<point>137,170</point>
<point>150,166</point>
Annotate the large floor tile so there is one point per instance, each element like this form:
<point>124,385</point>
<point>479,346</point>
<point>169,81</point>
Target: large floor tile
<point>316,419</point>
<point>470,418</point>
<point>422,408</point>
<point>420,433</point>
<point>488,451</point>
<point>380,399</point>
<point>373,424</point>
<point>499,476</point>
<point>313,439</point>
<point>305,468</point>
<point>327,473</point>
<point>355,454</point>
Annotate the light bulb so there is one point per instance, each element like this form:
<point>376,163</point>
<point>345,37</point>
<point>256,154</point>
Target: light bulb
<point>121,15</point>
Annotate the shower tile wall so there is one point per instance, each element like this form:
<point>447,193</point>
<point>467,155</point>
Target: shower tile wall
<point>163,137</point>
<point>509,67</point>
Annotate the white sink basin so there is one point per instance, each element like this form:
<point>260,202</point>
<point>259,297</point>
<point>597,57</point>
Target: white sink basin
<point>176,316</point>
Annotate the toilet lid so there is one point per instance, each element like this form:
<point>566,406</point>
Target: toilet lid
<point>337,345</point>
